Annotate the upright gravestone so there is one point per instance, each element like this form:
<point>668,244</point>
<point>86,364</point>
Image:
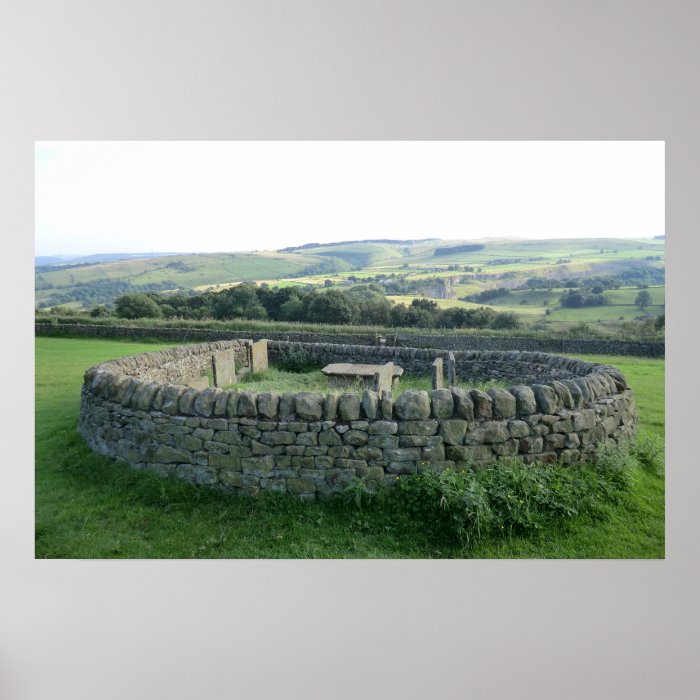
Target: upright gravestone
<point>451,369</point>
<point>436,373</point>
<point>258,356</point>
<point>384,378</point>
<point>224,366</point>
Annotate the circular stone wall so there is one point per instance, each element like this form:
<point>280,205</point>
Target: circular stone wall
<point>138,409</point>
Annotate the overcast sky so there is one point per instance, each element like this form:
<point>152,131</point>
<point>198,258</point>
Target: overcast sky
<point>102,197</point>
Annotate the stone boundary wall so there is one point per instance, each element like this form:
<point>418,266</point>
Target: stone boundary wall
<point>314,444</point>
<point>418,340</point>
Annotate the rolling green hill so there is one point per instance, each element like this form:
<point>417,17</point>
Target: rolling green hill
<point>473,267</point>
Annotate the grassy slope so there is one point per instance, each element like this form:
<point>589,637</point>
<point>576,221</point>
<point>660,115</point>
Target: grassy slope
<point>196,270</point>
<point>90,507</point>
<point>204,270</point>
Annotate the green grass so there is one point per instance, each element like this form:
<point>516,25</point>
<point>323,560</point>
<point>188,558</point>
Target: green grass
<point>91,507</point>
<point>274,379</point>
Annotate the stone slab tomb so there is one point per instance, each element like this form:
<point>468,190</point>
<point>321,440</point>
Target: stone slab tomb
<point>345,374</point>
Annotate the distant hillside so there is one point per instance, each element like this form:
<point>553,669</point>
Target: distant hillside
<point>52,260</point>
<point>97,279</point>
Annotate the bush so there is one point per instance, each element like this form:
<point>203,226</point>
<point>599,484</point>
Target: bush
<point>509,497</point>
<point>296,359</point>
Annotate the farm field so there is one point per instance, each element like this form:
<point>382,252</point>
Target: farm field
<point>497,260</point>
<point>91,507</point>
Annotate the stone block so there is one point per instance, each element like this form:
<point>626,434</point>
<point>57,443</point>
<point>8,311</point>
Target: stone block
<point>349,407</point>
<point>418,427</point>
<point>463,404</point>
<point>309,405</point>
<point>224,366</point>
<point>453,431</point>
<point>469,453</point>
<point>525,403</point>
<point>482,404</point>
<point>384,378</point>
<point>370,404</point>
<point>412,405</point>
<point>268,404</point>
<point>518,428</point>
<point>546,398</point>
<point>258,356</point>
<point>355,438</point>
<point>383,427</point>
<point>307,439</point>
<point>279,437</point>
<point>247,404</point>
<point>502,403</point>
<point>436,374</point>
<point>442,403</point>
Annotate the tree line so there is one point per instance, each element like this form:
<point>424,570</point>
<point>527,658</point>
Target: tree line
<point>364,304</point>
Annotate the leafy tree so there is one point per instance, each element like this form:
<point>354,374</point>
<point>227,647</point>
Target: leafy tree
<point>643,299</point>
<point>137,306</point>
<point>333,306</point>
<point>238,302</point>
<point>505,321</point>
<point>291,310</point>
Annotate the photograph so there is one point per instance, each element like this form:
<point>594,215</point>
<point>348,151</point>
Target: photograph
<point>349,349</point>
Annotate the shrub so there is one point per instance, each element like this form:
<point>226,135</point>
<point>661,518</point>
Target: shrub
<point>508,497</point>
<point>296,359</point>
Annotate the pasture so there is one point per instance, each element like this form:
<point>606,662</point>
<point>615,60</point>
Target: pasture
<point>91,507</point>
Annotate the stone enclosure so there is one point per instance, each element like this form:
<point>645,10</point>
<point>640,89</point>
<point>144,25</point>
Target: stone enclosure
<point>154,412</point>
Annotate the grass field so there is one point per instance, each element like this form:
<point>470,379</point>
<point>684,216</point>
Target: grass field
<point>91,507</point>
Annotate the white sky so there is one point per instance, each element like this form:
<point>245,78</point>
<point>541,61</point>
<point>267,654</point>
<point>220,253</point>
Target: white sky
<point>188,196</point>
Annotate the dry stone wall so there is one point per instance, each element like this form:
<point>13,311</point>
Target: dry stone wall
<point>593,346</point>
<point>314,444</point>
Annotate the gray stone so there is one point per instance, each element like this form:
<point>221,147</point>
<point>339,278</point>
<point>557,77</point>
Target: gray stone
<point>329,437</point>
<point>349,407</point>
<point>223,364</point>
<point>502,403</point>
<point>433,452</point>
<point>585,420</point>
<point>232,405</point>
<point>482,404</point>
<point>186,403</point>
<point>412,405</point>
<point>525,403</point>
<point>330,409</point>
<point>247,404</point>
<point>301,486</point>
<point>258,356</point>
<point>309,405</point>
<point>383,427</point>
<point>418,427</point>
<point>279,437</point>
<point>169,455</point>
<point>436,373</point>
<point>307,439</point>
<point>355,438</point>
<point>171,397</point>
<point>443,403</point>
<point>469,453</point>
<point>387,405</point>
<point>495,431</point>
<point>518,428</point>
<point>463,404</point>
<point>547,401</point>
<point>370,404</point>
<point>563,394</point>
<point>204,402</point>
<point>531,444</point>
<point>268,404</point>
<point>453,431</point>
<point>286,407</point>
